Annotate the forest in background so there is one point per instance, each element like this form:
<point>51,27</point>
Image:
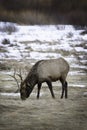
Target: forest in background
<point>44,11</point>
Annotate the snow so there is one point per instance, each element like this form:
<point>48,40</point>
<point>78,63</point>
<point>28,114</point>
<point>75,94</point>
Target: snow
<point>10,94</point>
<point>80,49</point>
<point>43,42</point>
<point>78,85</point>
<point>40,55</point>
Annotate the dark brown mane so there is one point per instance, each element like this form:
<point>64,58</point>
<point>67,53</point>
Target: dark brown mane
<point>33,70</point>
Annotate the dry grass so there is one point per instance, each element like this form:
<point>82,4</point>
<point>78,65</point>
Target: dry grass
<point>45,113</point>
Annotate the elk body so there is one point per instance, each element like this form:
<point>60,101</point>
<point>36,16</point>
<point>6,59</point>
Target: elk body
<point>45,71</point>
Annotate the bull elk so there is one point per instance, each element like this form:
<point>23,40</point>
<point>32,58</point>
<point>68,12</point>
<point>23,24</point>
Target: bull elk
<point>45,71</point>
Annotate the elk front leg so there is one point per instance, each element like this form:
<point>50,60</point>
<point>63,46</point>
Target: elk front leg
<point>50,87</point>
<point>39,87</point>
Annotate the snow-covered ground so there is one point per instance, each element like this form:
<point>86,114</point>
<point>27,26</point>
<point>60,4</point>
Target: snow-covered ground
<point>45,41</point>
<point>41,40</point>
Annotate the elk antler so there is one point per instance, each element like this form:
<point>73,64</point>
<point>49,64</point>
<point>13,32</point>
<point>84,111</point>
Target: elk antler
<point>20,75</point>
<point>13,76</point>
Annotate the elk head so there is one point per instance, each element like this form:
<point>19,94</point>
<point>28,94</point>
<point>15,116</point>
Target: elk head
<point>23,87</point>
<point>25,90</point>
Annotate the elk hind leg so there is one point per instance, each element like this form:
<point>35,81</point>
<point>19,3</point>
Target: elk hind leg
<point>64,87</point>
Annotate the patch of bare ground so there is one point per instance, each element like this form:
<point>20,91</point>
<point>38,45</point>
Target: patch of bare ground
<point>45,113</point>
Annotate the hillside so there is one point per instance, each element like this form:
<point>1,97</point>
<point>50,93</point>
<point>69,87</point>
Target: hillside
<point>44,11</point>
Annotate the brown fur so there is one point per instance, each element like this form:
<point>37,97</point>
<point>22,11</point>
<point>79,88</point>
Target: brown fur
<point>46,71</point>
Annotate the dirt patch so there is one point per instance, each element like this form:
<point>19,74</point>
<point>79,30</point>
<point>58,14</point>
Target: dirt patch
<point>45,113</point>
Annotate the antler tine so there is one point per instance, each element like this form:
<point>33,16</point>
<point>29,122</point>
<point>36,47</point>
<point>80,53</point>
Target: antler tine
<point>20,75</point>
<point>15,80</point>
<point>13,76</point>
